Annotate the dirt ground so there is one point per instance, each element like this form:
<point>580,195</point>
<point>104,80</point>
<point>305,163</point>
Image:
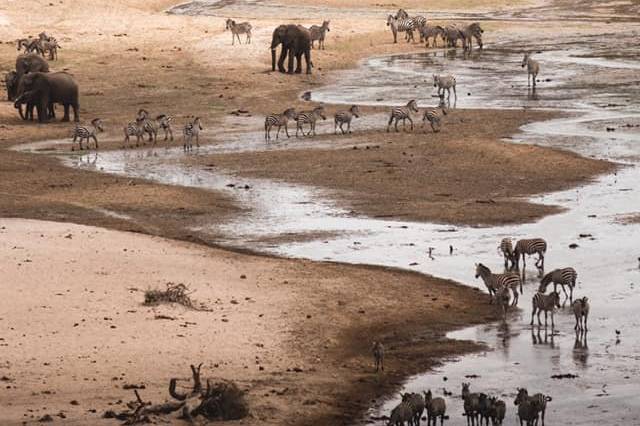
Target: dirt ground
<point>127,54</point>
<point>262,326</point>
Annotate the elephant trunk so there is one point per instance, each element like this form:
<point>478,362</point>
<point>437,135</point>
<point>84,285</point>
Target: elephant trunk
<point>18,105</point>
<point>273,59</point>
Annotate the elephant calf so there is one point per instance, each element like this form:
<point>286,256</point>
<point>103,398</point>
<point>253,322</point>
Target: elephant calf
<point>46,89</point>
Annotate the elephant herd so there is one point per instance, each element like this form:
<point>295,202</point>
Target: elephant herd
<point>32,85</point>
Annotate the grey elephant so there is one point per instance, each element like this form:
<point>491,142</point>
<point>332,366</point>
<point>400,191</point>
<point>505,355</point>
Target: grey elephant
<point>45,89</point>
<point>10,82</point>
<point>296,41</point>
<point>24,64</point>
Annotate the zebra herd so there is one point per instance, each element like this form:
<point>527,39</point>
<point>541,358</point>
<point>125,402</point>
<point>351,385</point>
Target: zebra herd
<point>478,408</point>
<point>450,34</point>
<point>42,45</point>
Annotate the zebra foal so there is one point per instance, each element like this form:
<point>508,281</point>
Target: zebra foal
<point>164,123</point>
<point>433,117</point>
<point>560,277</point>
<point>81,133</point>
<point>149,125</point>
<point>345,117</point>
<point>581,311</point>
<point>279,120</point>
<point>506,248</point>
<point>192,129</point>
<point>547,303</point>
<point>402,113</point>
<point>309,117</point>
<point>533,68</point>
<point>237,29</point>
<point>445,82</point>
<point>318,32</point>
<point>134,128</point>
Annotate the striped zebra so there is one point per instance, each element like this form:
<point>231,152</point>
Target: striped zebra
<point>279,120</point>
<point>401,14</point>
<point>419,22</point>
<point>452,35</point>
<point>533,68</point>
<point>506,248</point>
<point>400,25</point>
<point>401,414</point>
<point>150,126</point>
<point>318,32</point>
<point>445,82</point>
<point>547,303</point>
<point>309,117</point>
<point>345,117</point>
<point>416,401</point>
<point>471,403</point>
<point>164,123</point>
<point>539,401</point>
<point>403,113</point>
<point>528,247</point>
<point>52,47</point>
<point>469,33</point>
<point>31,45</point>
<point>192,129</point>
<point>433,117</point>
<point>134,128</point>
<point>81,133</point>
<point>494,282</point>
<point>581,311</point>
<point>428,31</point>
<point>237,29</point>
<point>560,277</point>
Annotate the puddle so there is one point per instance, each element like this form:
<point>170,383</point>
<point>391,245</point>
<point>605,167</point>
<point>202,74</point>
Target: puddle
<point>607,264</point>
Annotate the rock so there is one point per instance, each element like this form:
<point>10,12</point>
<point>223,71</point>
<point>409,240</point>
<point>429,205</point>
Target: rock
<point>564,376</point>
<point>573,246</point>
<point>306,96</point>
<point>45,418</point>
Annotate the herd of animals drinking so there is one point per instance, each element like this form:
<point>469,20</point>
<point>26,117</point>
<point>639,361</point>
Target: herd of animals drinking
<point>503,288</point>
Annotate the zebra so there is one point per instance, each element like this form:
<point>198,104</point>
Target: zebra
<point>497,411</point>
<point>436,407</point>
<point>150,126</point>
<point>469,33</point>
<point>401,14</point>
<point>445,82</point>
<point>82,132</point>
<point>402,413</point>
<point>528,247</point>
<point>533,67</point>
<point>31,45</point>
<point>471,403</point>
<point>237,29</point>
<point>377,349</point>
<point>309,117</point>
<point>278,120</point>
<point>343,117</point>
<point>192,129</point>
<point>164,123</point>
<point>539,401</point>
<point>318,32</point>
<point>431,115</point>
<point>502,300</point>
<point>428,31</point>
<point>416,402</point>
<point>419,22</point>
<point>403,113</point>
<point>52,47</point>
<point>452,35</point>
<point>581,311</point>
<point>547,303</point>
<point>402,25</point>
<point>134,128</point>
<point>560,277</point>
<point>495,282</point>
<point>506,248</point>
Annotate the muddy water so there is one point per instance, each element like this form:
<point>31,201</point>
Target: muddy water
<point>606,389</point>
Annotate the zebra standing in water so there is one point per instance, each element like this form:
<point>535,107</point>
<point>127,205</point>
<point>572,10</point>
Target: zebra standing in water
<point>528,247</point>
<point>81,133</point>
<point>400,25</point>
<point>494,282</point>
<point>149,125</point>
<point>164,123</point>
<point>431,115</point>
<point>533,68</point>
<point>581,311</point>
<point>506,248</point>
<point>403,113</point>
<point>319,33</point>
<point>539,401</point>
<point>237,29</point>
<point>192,129</point>
<point>279,120</point>
<point>547,303</point>
<point>345,117</point>
<point>309,117</point>
<point>445,82</point>
<point>560,277</point>
<point>134,128</point>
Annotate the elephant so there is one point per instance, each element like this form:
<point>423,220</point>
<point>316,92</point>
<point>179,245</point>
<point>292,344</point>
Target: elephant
<point>26,63</point>
<point>296,41</point>
<point>45,89</point>
<point>10,82</point>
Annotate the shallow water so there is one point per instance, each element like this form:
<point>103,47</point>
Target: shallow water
<point>607,264</point>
